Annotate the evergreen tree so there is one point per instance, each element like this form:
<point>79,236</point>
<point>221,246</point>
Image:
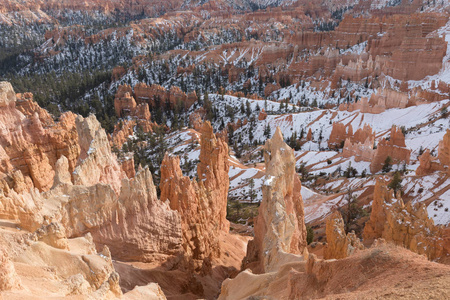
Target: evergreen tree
<point>267,132</point>
<point>387,165</point>
<point>396,183</point>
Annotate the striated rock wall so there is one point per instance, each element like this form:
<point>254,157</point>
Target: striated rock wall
<point>405,225</point>
<point>279,228</point>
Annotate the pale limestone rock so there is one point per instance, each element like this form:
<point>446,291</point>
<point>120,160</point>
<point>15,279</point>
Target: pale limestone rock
<point>280,228</point>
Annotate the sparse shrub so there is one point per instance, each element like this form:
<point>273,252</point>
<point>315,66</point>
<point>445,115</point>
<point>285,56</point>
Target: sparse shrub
<point>309,234</point>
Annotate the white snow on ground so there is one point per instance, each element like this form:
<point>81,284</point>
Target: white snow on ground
<point>307,193</point>
<point>319,211</point>
<point>424,130</point>
<point>439,210</point>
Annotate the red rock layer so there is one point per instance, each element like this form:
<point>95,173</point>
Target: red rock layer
<point>380,101</point>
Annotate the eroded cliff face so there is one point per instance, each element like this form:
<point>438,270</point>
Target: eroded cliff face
<point>280,230</point>
<point>86,192</point>
<point>339,244</point>
<point>134,224</point>
<point>89,203</point>
<point>405,225</point>
<point>202,205</point>
<point>31,142</point>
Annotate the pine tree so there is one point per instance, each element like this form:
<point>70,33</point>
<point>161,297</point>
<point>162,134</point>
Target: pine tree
<point>396,183</point>
<point>267,132</point>
<point>387,165</point>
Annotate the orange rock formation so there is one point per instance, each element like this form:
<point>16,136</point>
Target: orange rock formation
<point>405,225</point>
<point>31,142</point>
<point>203,204</point>
<point>339,245</point>
<point>395,148</point>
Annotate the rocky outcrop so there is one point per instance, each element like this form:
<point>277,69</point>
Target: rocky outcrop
<point>428,164</point>
<point>135,225</point>
<point>395,148</point>
<point>212,172</point>
<point>380,101</point>
<point>262,115</point>
<point>157,96</point>
<point>31,142</point>
<point>124,103</point>
<point>405,225</point>
<point>280,229</point>
<point>98,164</point>
<point>202,204</point>
<point>196,118</point>
<point>444,149</point>
<point>339,133</point>
<point>123,213</point>
<point>309,135</point>
<point>8,276</point>
<point>53,235</point>
<point>139,115</point>
<point>360,145</point>
<point>339,244</point>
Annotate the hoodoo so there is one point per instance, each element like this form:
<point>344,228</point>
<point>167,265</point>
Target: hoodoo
<point>280,226</point>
